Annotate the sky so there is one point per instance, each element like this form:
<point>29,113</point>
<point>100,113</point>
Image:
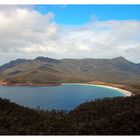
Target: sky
<point>81,14</point>
<point>69,31</point>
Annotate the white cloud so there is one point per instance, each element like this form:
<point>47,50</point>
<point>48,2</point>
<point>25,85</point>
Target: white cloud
<point>26,33</point>
<point>39,49</point>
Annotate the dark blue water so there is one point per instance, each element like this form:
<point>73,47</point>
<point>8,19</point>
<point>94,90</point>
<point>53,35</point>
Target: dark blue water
<point>64,97</point>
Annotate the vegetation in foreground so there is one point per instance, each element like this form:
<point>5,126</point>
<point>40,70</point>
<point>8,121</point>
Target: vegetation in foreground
<point>117,116</point>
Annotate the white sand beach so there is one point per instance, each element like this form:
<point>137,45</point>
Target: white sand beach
<point>125,92</point>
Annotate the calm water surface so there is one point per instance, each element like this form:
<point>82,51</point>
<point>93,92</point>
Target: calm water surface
<point>64,97</point>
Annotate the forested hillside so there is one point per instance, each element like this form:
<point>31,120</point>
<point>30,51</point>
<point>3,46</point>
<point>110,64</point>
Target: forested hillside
<point>117,116</point>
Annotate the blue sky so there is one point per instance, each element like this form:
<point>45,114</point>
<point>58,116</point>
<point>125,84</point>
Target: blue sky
<point>80,14</point>
<point>69,31</point>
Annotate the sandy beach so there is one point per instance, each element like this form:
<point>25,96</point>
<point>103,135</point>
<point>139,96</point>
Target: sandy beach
<point>118,87</point>
<point>125,92</point>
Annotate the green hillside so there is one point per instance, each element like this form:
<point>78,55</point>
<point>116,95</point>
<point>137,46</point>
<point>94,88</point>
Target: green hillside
<point>117,116</point>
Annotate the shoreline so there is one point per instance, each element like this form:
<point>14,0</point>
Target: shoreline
<point>30,85</point>
<point>26,84</point>
<point>124,92</point>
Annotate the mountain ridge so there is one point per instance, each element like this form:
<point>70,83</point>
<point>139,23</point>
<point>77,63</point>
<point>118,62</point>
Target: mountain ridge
<point>49,58</point>
<point>49,70</point>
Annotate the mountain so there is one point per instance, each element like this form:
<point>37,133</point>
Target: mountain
<point>48,70</point>
<point>12,64</point>
<point>46,59</point>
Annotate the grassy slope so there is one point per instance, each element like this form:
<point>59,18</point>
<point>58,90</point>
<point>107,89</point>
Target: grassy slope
<point>107,116</point>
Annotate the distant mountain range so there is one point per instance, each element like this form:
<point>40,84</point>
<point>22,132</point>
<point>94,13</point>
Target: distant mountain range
<point>48,70</point>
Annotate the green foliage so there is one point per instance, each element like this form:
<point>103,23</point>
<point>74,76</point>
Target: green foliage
<point>117,116</point>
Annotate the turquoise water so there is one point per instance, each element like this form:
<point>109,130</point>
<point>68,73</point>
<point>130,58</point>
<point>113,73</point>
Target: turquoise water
<point>64,97</point>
